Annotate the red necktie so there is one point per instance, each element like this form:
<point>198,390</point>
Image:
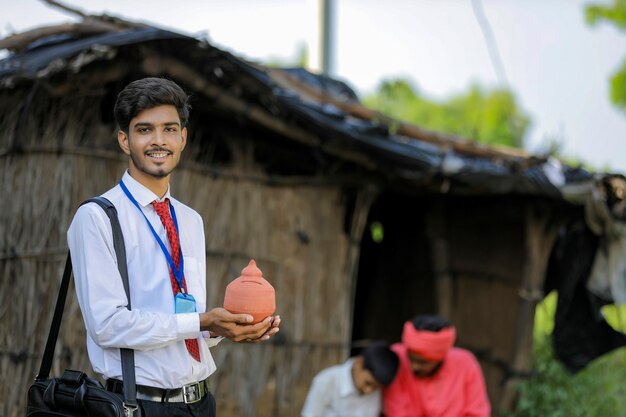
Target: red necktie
<point>163,210</point>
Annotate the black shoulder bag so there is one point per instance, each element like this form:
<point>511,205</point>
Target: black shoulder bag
<point>75,394</point>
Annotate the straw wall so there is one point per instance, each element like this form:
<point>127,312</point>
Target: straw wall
<point>486,255</point>
<point>54,154</point>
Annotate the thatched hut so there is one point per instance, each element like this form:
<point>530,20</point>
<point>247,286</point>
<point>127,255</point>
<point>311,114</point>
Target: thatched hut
<point>287,168</point>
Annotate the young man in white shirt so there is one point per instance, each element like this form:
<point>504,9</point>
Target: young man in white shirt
<point>352,389</point>
<point>168,326</point>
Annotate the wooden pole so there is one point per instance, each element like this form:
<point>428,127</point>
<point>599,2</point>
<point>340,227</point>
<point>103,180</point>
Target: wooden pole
<point>364,201</point>
<point>541,232</point>
<point>440,257</point>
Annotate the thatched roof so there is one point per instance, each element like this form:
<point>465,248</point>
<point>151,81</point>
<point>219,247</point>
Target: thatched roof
<point>315,111</point>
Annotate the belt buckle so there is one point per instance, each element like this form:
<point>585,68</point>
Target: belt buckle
<point>191,393</point>
<point>130,410</point>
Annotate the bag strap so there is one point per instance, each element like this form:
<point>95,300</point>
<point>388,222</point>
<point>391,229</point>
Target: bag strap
<point>48,353</point>
<point>127,355</point>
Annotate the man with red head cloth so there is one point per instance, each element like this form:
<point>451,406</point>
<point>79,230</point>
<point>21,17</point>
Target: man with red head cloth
<point>435,379</point>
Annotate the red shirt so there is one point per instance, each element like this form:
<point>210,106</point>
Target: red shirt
<point>456,390</point>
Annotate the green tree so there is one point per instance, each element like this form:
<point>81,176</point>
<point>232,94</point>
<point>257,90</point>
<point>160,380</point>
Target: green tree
<point>488,116</point>
<point>614,13</point>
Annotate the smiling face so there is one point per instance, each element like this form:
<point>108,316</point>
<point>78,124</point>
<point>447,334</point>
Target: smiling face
<point>154,143</point>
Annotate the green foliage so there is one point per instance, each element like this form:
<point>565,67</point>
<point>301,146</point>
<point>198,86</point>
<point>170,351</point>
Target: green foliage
<point>488,116</point>
<point>377,231</point>
<point>618,87</point>
<point>614,14</point>
<point>544,316</point>
<point>596,391</point>
<point>615,316</point>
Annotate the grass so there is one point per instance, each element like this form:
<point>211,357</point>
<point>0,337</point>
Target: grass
<point>599,390</point>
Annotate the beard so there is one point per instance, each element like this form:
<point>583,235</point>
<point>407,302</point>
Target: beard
<point>424,374</point>
<point>157,172</point>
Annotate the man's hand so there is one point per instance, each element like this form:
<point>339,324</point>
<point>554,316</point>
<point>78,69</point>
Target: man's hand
<point>237,327</point>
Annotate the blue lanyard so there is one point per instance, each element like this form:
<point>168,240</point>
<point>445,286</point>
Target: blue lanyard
<point>178,272</point>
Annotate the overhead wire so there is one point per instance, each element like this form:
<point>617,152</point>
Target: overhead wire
<point>490,42</point>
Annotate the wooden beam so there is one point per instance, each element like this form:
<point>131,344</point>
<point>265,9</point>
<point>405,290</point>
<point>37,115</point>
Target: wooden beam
<point>20,41</point>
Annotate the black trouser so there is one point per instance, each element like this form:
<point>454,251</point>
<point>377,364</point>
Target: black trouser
<point>203,408</point>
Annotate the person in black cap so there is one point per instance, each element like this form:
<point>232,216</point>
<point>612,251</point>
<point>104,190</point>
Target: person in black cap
<point>352,389</point>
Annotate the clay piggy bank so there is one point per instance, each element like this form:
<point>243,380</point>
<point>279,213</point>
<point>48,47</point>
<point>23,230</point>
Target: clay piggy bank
<point>251,294</point>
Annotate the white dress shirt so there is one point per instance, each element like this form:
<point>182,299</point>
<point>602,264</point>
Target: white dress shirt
<point>151,328</point>
<point>333,394</point>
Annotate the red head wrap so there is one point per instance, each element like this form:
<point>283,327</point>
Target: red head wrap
<point>430,345</point>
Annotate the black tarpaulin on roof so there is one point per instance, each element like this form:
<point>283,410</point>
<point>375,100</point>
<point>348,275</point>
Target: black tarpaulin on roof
<point>398,156</point>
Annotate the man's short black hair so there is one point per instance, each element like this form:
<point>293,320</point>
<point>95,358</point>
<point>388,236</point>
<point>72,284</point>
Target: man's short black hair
<point>430,323</point>
<point>147,93</point>
<point>381,361</point>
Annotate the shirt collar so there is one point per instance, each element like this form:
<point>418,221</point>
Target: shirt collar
<point>346,383</point>
<point>141,193</point>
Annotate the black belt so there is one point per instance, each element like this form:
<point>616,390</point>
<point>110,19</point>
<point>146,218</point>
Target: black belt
<point>189,393</point>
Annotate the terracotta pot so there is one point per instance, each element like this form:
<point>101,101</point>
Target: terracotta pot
<point>250,294</point>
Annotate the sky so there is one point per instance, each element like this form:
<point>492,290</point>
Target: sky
<point>557,66</point>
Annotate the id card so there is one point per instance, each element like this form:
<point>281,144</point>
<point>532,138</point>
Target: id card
<point>184,303</point>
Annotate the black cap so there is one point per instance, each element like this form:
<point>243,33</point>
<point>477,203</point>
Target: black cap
<point>430,323</point>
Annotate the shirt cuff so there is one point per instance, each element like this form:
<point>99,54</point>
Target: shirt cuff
<point>188,325</point>
<point>212,341</point>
